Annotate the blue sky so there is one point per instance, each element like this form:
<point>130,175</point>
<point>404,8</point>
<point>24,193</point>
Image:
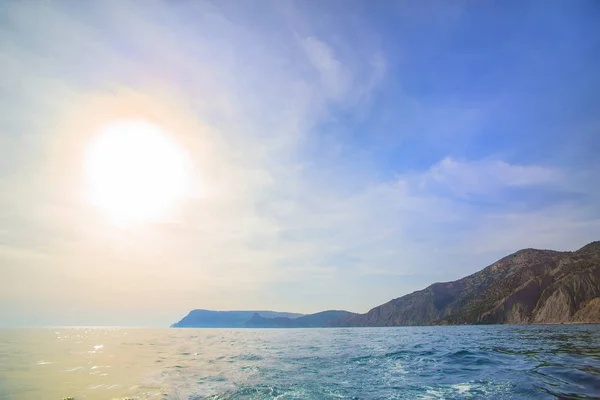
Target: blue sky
<point>345,153</point>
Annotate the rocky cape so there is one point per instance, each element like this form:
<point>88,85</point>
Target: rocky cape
<point>529,286</point>
<point>226,319</point>
<point>260,319</point>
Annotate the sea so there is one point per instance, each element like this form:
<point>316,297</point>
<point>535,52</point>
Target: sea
<point>441,362</point>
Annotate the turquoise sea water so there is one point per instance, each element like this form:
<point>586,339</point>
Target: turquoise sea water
<point>456,362</point>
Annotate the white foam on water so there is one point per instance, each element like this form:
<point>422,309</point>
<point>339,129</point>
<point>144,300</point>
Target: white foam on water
<point>462,387</point>
<point>432,394</point>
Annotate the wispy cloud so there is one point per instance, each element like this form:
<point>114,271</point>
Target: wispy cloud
<point>334,77</point>
<point>466,178</point>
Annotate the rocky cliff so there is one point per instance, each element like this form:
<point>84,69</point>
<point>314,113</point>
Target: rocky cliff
<point>529,286</point>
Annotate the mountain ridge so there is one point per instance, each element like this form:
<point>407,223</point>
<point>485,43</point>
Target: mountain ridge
<point>527,286</point>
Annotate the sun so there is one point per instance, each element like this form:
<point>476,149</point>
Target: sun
<point>135,172</point>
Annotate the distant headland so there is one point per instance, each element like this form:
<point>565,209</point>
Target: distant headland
<point>529,286</point>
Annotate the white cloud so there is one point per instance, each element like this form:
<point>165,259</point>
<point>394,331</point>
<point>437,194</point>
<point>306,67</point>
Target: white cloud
<point>392,228</point>
<point>485,176</point>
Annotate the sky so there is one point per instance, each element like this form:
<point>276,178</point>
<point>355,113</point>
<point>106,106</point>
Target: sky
<point>343,153</point>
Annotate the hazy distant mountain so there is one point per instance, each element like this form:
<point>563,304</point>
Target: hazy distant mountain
<point>321,319</point>
<point>529,286</point>
<point>225,319</point>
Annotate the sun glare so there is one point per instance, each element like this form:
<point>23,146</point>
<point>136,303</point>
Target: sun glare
<point>135,172</point>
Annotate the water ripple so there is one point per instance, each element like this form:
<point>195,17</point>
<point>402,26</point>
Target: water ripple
<point>466,362</point>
